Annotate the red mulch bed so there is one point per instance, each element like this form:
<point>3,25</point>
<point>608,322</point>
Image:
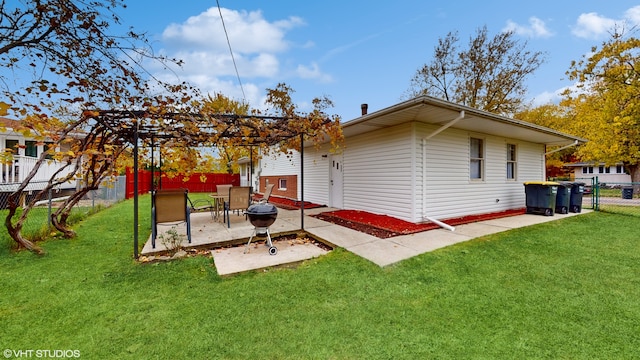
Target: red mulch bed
<point>289,204</point>
<point>383,226</point>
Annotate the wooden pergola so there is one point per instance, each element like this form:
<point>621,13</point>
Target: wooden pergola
<point>196,130</point>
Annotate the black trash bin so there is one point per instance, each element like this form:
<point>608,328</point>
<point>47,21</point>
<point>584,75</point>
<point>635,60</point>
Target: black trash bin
<point>627,192</point>
<point>575,203</point>
<point>541,197</point>
<point>563,198</point>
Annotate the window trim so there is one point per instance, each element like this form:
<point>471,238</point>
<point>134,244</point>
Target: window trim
<point>513,162</point>
<point>480,160</point>
<point>282,181</point>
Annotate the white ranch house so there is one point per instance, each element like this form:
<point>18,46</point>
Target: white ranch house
<point>420,160</point>
<point>606,174</point>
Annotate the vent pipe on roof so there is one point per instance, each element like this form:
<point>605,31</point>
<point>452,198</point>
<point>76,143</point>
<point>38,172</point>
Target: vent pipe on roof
<point>364,108</point>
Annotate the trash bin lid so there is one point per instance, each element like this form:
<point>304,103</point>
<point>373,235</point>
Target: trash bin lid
<point>541,183</point>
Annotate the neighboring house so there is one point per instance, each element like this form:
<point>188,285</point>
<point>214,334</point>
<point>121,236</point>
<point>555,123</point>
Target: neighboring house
<point>247,177</point>
<point>422,159</point>
<point>281,170</point>
<point>26,151</point>
<point>606,174</point>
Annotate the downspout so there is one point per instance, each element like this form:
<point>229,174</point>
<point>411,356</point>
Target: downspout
<point>424,171</point>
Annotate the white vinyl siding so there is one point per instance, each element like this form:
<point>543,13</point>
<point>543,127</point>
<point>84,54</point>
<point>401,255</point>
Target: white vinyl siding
<point>280,164</point>
<point>316,175</point>
<point>449,192</point>
<point>378,172</point>
<point>382,173</point>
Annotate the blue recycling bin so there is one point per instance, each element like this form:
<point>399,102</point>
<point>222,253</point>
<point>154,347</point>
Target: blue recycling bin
<point>541,197</point>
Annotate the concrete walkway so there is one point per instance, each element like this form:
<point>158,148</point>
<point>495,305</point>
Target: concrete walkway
<point>228,259</point>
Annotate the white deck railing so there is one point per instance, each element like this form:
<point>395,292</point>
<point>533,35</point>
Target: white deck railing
<point>21,166</point>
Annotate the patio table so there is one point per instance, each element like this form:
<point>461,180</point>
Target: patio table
<point>218,203</point>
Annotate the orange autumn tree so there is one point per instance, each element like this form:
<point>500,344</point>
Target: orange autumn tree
<point>58,58</point>
<point>280,125</point>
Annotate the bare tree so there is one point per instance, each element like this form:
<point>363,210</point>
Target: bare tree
<point>488,75</point>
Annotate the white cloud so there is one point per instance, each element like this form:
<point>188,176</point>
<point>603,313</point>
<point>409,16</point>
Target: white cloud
<point>257,46</point>
<point>536,28</point>
<point>248,32</point>
<point>546,97</point>
<point>592,26</point>
<point>312,72</point>
<point>632,16</point>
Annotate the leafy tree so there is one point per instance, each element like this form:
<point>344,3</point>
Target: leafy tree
<point>606,103</point>
<point>555,117</point>
<point>489,75</point>
<point>65,47</point>
<point>61,55</point>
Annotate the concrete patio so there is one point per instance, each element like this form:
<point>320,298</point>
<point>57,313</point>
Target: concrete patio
<point>212,234</point>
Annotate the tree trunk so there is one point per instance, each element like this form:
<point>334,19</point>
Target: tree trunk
<point>634,170</point>
<point>60,216</point>
<point>14,230</point>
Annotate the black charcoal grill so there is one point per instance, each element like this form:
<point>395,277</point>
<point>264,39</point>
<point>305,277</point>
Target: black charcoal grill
<point>262,215</point>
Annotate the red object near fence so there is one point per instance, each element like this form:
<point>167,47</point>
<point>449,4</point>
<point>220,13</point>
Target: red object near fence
<point>194,183</point>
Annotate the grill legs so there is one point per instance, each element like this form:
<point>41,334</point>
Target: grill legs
<point>261,231</point>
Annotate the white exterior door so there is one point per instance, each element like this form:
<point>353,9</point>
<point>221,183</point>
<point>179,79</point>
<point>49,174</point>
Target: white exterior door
<point>335,182</point>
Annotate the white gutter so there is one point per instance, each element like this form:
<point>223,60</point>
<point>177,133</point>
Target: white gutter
<point>424,171</point>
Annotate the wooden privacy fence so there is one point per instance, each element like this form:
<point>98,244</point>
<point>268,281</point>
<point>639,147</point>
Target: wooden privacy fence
<point>193,183</point>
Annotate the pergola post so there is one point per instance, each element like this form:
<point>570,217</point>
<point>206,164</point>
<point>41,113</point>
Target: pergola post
<point>302,182</point>
<point>147,128</point>
<point>135,190</point>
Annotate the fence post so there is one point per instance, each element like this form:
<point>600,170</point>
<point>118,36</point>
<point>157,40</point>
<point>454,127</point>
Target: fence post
<point>596,195</point>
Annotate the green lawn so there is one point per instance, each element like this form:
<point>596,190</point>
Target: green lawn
<point>568,289</point>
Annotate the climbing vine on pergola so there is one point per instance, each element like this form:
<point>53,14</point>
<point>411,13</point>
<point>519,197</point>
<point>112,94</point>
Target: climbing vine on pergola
<point>202,129</point>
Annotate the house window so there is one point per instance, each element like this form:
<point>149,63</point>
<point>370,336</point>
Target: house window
<point>50,149</point>
<point>620,169</point>
<point>476,159</point>
<point>11,145</point>
<point>282,184</point>
<point>587,169</point>
<point>511,162</point>
<point>31,149</point>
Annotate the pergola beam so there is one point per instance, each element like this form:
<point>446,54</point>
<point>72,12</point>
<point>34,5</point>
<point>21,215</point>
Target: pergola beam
<point>136,126</point>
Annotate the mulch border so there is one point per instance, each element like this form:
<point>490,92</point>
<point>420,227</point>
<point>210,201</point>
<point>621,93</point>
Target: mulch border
<point>351,219</point>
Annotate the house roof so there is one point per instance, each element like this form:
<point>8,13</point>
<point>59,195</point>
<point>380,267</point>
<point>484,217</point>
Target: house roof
<point>10,124</point>
<point>429,110</point>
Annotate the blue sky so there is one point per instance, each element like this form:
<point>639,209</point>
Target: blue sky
<point>359,51</point>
